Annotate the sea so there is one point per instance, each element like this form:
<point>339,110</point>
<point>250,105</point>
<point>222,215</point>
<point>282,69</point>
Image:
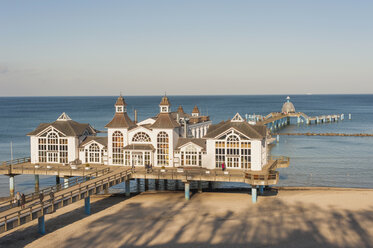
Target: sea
<point>326,161</point>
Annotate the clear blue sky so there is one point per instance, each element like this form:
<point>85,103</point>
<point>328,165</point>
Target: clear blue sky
<point>185,47</point>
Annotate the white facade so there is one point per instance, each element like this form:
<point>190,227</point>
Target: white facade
<point>140,144</point>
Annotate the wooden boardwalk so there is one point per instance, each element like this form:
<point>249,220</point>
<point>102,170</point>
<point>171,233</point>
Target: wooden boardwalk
<point>102,177</point>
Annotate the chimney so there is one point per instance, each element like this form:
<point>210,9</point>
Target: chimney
<point>135,116</point>
<point>185,129</point>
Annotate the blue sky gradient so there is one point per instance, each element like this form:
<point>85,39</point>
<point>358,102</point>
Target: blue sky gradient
<point>185,47</point>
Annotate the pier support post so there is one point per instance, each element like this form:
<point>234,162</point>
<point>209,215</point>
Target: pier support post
<point>349,116</point>
<point>187,191</point>
<point>165,184</point>
<point>199,186</point>
<point>41,225</point>
<point>11,185</point>
<point>128,189</point>
<point>87,205</point>
<point>261,189</point>
<point>138,185</point>
<point>253,193</point>
<point>58,181</point>
<point>146,183</point>
<point>36,183</point>
<point>156,184</point>
<point>278,138</point>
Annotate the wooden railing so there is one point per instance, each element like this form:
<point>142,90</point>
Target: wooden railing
<point>37,209</point>
<point>16,161</point>
<point>7,204</point>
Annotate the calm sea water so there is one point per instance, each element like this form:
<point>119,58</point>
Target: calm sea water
<point>315,161</point>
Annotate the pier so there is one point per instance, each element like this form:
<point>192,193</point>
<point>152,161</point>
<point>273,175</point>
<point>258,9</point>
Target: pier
<point>277,120</point>
<point>80,183</point>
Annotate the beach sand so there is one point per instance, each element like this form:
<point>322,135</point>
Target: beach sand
<point>290,218</point>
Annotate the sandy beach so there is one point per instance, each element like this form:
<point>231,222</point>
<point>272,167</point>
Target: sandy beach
<point>315,217</point>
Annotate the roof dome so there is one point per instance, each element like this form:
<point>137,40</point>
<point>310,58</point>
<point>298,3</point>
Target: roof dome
<point>288,106</point>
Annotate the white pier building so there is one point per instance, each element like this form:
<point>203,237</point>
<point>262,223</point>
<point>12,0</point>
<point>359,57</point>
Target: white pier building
<point>171,139</point>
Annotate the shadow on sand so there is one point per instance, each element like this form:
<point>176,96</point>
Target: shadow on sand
<point>178,223</point>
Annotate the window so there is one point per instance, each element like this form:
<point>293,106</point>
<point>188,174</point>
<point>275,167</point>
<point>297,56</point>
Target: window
<point>42,150</point>
<point>127,156</point>
<point>233,145</point>
<point>236,153</point>
<point>63,151</point>
<point>219,153</point>
<point>147,158</point>
<point>162,149</point>
<point>118,147</point>
<point>94,153</point>
<point>141,137</point>
<point>245,155</point>
<point>191,156</point>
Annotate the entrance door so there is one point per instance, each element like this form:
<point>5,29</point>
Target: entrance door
<point>137,159</point>
<point>233,162</point>
<point>52,157</point>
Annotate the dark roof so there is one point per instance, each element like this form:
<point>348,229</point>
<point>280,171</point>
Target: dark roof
<point>120,101</point>
<point>165,101</point>
<point>139,147</point>
<point>67,127</point>
<point>198,142</point>
<point>101,140</point>
<point>181,115</point>
<point>251,131</point>
<point>165,120</point>
<point>121,120</point>
<point>195,110</point>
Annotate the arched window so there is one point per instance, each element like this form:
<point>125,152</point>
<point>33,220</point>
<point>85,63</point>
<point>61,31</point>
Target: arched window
<point>233,151</point>
<point>141,137</point>
<point>233,145</point>
<point>52,141</point>
<point>94,153</point>
<point>118,147</point>
<point>162,148</point>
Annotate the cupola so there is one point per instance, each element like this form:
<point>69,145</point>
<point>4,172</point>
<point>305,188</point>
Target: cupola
<point>120,105</point>
<point>165,105</point>
<point>195,111</point>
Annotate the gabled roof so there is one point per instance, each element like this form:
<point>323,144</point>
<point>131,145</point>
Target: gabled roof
<point>251,131</point>
<point>65,126</point>
<point>101,140</point>
<point>165,120</point>
<point>183,141</point>
<point>121,120</point>
<point>195,110</point>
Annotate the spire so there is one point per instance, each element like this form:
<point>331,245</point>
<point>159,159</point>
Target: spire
<point>120,105</point>
<point>195,111</point>
<point>180,109</point>
<point>64,117</point>
<point>165,105</point>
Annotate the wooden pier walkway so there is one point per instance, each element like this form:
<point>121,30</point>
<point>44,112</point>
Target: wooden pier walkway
<point>102,177</point>
<point>275,120</point>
